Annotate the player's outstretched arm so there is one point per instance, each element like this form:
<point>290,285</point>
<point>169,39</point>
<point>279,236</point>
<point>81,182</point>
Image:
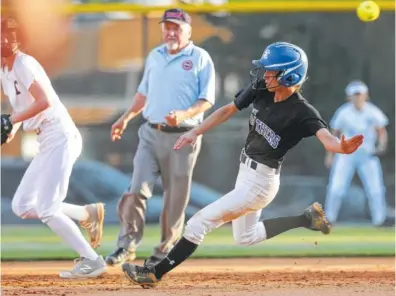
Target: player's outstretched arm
<point>329,155</point>
<point>41,103</point>
<point>335,145</point>
<point>219,116</point>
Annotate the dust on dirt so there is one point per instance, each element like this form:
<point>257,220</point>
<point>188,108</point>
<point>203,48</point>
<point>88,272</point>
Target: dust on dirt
<point>216,277</point>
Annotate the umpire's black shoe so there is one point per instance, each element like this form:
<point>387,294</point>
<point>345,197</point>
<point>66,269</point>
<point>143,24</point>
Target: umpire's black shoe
<point>151,261</point>
<point>140,275</point>
<point>120,256</point>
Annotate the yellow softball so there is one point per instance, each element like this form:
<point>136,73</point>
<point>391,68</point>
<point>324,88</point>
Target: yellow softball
<point>368,11</point>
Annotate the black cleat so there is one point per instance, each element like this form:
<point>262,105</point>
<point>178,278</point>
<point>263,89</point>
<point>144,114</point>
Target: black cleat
<point>140,275</point>
<point>317,216</point>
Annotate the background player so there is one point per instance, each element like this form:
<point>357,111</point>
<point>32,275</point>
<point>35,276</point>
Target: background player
<point>358,116</point>
<point>44,185</point>
<point>280,119</point>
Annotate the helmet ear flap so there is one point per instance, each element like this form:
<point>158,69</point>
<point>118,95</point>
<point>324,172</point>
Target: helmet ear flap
<point>290,79</point>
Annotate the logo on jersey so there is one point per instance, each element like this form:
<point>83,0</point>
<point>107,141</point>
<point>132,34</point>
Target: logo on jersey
<point>16,88</point>
<point>187,65</point>
<point>264,130</point>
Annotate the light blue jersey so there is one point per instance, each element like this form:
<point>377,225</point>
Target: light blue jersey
<point>176,82</point>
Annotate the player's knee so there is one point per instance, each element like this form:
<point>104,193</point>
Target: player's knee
<point>44,215</point>
<point>335,190</point>
<point>196,229</point>
<point>20,210</point>
<point>378,192</point>
<point>17,209</point>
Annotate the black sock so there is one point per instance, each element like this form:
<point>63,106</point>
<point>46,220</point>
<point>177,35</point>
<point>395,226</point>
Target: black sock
<point>180,252</point>
<point>276,226</point>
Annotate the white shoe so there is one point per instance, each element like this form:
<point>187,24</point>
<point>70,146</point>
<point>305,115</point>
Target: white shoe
<point>85,268</point>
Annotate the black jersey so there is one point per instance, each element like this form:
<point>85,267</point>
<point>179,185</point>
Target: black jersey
<point>275,128</point>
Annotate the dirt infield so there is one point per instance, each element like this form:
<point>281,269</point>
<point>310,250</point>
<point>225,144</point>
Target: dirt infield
<point>327,276</point>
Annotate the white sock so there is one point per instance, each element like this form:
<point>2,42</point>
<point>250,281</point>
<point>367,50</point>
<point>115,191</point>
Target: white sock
<point>75,212</point>
<point>64,227</point>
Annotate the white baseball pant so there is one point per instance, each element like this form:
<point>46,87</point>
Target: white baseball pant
<point>44,185</point>
<point>254,190</point>
<point>370,172</point>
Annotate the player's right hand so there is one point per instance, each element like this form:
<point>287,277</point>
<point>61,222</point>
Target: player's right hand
<point>117,129</point>
<point>188,138</point>
<point>351,145</point>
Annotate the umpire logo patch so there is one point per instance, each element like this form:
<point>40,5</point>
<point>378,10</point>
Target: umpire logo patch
<point>187,65</point>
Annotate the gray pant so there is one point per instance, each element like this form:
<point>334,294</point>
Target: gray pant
<point>155,158</point>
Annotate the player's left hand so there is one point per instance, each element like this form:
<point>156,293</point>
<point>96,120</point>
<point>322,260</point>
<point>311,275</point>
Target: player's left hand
<point>351,145</point>
<point>379,151</point>
<point>174,118</point>
<point>188,138</point>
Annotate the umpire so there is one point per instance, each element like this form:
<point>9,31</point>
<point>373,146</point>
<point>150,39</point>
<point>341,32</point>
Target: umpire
<point>177,87</point>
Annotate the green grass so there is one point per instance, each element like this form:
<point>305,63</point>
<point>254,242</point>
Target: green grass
<point>38,242</point>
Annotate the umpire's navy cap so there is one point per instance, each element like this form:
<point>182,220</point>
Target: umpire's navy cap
<point>177,16</point>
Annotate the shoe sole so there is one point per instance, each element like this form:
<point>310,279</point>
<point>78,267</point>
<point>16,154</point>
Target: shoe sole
<point>100,210</point>
<point>144,286</point>
<point>93,274</point>
<point>322,215</point>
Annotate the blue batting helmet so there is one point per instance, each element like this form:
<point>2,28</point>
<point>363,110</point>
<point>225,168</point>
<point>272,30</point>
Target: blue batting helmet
<point>289,59</point>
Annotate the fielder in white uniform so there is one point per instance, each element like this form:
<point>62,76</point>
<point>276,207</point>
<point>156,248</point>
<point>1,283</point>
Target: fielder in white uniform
<point>358,116</point>
<point>44,185</point>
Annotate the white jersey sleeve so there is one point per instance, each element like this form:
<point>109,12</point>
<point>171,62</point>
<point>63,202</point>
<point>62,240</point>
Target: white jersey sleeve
<point>27,71</point>
<point>380,119</point>
<point>19,79</point>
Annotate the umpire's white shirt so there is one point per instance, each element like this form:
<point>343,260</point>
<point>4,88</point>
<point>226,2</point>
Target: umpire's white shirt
<point>16,84</point>
<point>350,122</point>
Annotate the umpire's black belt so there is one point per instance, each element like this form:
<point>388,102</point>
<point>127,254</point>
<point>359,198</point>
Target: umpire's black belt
<point>169,129</point>
<point>254,164</point>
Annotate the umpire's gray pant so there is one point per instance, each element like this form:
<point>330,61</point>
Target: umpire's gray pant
<point>155,157</point>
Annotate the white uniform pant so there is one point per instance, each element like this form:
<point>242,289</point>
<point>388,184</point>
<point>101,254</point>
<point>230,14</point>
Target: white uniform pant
<point>254,190</point>
<point>44,185</point>
<point>370,172</point>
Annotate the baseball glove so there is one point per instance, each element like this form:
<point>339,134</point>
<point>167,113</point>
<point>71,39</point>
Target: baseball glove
<point>6,127</point>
